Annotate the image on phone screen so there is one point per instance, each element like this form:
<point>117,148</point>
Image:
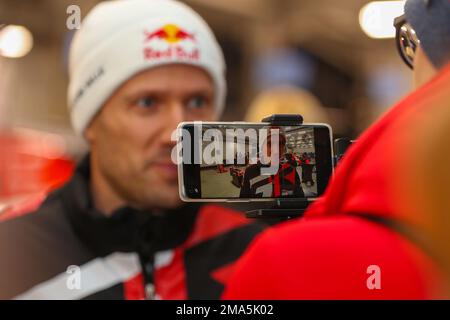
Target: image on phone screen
<point>250,166</point>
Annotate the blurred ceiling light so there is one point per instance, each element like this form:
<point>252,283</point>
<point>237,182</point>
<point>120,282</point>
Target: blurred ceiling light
<point>376,18</point>
<point>15,41</point>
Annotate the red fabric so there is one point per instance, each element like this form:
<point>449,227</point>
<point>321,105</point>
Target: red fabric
<point>221,168</point>
<point>290,176</point>
<point>170,280</point>
<point>326,255</point>
<point>134,288</point>
<point>275,179</point>
<point>224,273</point>
<point>32,164</point>
<point>212,221</point>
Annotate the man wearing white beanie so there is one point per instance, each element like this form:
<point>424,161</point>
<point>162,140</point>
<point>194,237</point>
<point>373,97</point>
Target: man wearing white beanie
<point>117,229</point>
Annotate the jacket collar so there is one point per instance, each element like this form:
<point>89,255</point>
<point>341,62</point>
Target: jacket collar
<point>127,229</point>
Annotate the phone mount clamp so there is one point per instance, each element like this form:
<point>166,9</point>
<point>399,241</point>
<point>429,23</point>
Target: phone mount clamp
<point>282,208</point>
<point>340,148</point>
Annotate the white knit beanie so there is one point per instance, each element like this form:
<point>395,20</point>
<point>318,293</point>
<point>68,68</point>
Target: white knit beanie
<point>121,38</point>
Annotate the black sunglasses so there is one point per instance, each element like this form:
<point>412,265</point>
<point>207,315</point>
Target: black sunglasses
<point>406,40</point>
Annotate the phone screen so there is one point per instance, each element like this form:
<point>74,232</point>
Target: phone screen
<point>224,161</point>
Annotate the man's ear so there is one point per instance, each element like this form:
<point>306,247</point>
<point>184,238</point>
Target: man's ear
<point>89,132</point>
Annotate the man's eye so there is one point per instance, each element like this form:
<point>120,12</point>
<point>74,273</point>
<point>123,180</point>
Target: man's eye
<point>197,102</point>
<point>146,102</point>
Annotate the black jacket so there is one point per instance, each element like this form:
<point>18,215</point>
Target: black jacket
<point>68,250</point>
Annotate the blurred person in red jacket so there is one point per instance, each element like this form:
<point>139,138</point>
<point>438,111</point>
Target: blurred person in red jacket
<point>368,237</point>
<point>118,229</point>
<point>37,158</point>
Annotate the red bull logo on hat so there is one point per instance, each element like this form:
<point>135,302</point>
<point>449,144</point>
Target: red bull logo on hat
<point>170,33</point>
<point>175,37</point>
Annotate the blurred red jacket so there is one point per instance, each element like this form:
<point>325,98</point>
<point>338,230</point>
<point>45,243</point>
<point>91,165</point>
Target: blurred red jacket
<point>32,164</point>
<point>345,247</point>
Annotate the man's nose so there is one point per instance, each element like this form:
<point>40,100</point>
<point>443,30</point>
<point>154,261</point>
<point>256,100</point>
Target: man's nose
<point>173,116</point>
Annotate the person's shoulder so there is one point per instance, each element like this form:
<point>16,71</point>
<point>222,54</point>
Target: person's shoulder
<point>256,167</point>
<point>321,242</point>
<point>329,258</point>
<point>36,246</point>
<point>353,238</point>
<point>47,226</point>
<point>41,213</point>
<point>331,231</point>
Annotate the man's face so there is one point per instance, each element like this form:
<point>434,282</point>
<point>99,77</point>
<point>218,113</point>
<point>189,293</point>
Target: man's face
<point>130,138</point>
<point>278,152</point>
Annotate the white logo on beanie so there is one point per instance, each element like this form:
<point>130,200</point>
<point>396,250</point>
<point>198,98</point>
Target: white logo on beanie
<point>90,81</point>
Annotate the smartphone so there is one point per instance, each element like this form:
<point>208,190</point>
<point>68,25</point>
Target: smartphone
<point>243,162</point>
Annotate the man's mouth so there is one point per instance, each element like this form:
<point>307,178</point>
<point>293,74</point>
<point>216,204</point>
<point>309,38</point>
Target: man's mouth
<point>168,169</point>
